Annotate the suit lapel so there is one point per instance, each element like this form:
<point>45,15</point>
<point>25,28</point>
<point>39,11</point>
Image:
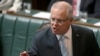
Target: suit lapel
<point>56,47</point>
<point>75,41</point>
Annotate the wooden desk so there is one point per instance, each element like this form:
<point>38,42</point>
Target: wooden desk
<point>90,21</point>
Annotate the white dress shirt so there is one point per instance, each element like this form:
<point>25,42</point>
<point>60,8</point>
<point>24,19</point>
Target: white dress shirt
<point>68,40</point>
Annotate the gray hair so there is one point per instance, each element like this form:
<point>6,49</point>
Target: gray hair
<point>63,5</point>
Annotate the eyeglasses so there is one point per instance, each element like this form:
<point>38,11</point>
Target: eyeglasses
<point>59,21</point>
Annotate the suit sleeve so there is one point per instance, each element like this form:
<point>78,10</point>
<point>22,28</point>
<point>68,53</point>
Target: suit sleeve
<point>94,45</point>
<point>33,49</point>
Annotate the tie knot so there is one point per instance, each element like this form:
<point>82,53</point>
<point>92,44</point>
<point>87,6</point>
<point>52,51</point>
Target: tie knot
<point>61,38</point>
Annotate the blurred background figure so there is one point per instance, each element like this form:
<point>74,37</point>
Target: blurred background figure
<point>10,5</point>
<point>27,6</point>
<point>90,6</point>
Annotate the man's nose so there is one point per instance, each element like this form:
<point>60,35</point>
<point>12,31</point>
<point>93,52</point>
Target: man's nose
<point>55,23</point>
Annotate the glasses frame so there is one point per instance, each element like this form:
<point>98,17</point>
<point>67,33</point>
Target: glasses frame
<point>59,21</point>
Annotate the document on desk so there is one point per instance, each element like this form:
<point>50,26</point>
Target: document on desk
<point>97,24</point>
<point>45,15</point>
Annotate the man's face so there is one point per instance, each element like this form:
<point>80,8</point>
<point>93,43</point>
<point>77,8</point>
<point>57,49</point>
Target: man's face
<point>60,22</point>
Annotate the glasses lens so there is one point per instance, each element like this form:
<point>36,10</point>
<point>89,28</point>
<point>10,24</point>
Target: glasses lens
<point>59,21</point>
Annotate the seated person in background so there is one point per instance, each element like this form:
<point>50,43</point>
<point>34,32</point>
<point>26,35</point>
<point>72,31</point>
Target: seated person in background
<point>90,6</point>
<point>10,5</point>
<point>63,38</point>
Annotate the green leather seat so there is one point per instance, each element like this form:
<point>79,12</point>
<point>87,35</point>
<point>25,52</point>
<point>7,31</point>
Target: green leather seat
<point>17,32</point>
<point>7,34</point>
<point>98,37</point>
<point>1,47</point>
<point>92,20</point>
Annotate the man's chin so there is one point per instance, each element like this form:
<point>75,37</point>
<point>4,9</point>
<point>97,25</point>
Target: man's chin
<point>55,32</point>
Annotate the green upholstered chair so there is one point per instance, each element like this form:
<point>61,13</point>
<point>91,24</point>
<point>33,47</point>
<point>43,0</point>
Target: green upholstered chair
<point>0,35</point>
<point>16,33</point>
<point>93,20</point>
<point>98,37</point>
<point>7,34</point>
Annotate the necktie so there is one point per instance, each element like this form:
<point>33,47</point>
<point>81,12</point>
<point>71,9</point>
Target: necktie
<point>62,46</point>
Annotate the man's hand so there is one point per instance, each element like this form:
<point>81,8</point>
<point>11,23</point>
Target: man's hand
<point>24,54</point>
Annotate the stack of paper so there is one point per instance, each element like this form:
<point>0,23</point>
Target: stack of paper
<point>45,15</point>
<point>97,24</point>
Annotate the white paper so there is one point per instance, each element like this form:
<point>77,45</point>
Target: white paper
<point>45,15</point>
<point>97,24</point>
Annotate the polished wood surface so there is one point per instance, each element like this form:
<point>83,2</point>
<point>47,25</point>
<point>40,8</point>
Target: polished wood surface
<point>75,21</point>
<point>40,4</point>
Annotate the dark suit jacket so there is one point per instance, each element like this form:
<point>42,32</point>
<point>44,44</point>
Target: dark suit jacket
<point>45,43</point>
<point>91,6</point>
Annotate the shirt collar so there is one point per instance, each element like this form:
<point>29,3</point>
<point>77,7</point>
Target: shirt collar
<point>68,34</point>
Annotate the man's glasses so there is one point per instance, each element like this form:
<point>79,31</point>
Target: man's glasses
<point>59,21</point>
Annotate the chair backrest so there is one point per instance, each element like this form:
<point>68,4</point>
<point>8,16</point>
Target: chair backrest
<point>98,37</point>
<point>16,33</point>
<point>0,36</point>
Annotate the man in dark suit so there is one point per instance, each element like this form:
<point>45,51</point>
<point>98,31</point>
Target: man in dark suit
<point>89,6</point>
<point>79,41</point>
